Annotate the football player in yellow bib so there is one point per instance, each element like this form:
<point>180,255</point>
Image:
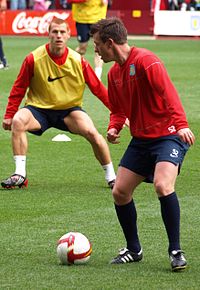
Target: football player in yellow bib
<point>85,13</point>
<point>54,77</point>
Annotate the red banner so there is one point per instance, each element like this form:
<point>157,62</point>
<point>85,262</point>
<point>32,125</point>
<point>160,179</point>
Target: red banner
<point>29,22</point>
<point>35,23</point>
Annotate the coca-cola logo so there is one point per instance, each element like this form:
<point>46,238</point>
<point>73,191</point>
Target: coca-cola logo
<point>36,24</point>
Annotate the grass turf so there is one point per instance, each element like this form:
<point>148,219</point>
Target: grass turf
<point>67,192</point>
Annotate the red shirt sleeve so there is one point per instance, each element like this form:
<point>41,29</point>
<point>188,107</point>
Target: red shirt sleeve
<point>117,115</point>
<point>20,86</point>
<point>163,86</point>
<point>94,84</point>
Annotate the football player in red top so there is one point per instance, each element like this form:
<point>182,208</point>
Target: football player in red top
<point>140,89</point>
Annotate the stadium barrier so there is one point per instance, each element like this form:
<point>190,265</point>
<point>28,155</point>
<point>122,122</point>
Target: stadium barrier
<point>138,22</point>
<point>177,23</point>
<point>30,22</point>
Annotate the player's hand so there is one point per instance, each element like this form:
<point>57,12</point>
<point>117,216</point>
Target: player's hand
<point>113,136</point>
<point>186,136</point>
<point>7,123</point>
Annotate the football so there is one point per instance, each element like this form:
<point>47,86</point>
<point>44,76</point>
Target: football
<point>73,248</point>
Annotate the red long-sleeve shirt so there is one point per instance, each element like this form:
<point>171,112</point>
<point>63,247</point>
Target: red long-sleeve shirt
<point>22,82</point>
<point>142,91</point>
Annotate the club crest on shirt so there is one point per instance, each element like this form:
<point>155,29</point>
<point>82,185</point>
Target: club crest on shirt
<point>132,70</point>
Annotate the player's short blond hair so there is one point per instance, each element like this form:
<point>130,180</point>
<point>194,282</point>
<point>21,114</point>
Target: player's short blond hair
<point>58,21</point>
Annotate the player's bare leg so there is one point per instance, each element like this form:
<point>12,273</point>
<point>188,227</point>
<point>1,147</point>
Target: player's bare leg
<point>82,48</point>
<point>23,121</point>
<point>80,123</point>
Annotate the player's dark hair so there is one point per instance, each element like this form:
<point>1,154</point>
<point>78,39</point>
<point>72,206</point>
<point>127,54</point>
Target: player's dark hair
<point>110,28</point>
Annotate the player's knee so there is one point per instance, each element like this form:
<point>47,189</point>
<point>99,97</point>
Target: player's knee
<point>94,137</point>
<point>117,195</point>
<point>162,187</point>
<point>120,197</point>
<point>17,124</point>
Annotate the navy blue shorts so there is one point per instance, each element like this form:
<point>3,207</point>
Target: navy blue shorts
<point>83,31</point>
<point>50,118</point>
<point>141,156</point>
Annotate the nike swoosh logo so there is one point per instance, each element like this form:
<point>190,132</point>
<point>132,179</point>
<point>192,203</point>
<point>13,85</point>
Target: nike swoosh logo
<point>54,79</point>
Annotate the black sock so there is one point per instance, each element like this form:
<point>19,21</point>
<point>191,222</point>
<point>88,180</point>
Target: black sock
<point>127,217</point>
<point>170,211</point>
<point>1,50</point>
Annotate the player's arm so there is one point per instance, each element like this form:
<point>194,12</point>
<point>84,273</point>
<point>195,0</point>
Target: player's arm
<point>18,91</point>
<point>94,84</point>
<point>165,88</point>
<point>117,116</point>
<point>162,84</point>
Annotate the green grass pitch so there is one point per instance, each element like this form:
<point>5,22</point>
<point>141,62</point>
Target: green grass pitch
<point>67,192</point>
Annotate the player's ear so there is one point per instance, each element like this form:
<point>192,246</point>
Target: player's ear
<point>110,42</point>
<point>68,34</point>
<point>68,31</point>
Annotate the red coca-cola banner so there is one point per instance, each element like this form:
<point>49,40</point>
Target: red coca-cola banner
<point>29,22</point>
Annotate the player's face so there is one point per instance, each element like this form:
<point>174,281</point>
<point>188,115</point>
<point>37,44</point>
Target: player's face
<point>58,35</point>
<point>103,49</point>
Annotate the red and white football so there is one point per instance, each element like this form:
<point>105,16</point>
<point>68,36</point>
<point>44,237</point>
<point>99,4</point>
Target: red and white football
<point>74,248</point>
